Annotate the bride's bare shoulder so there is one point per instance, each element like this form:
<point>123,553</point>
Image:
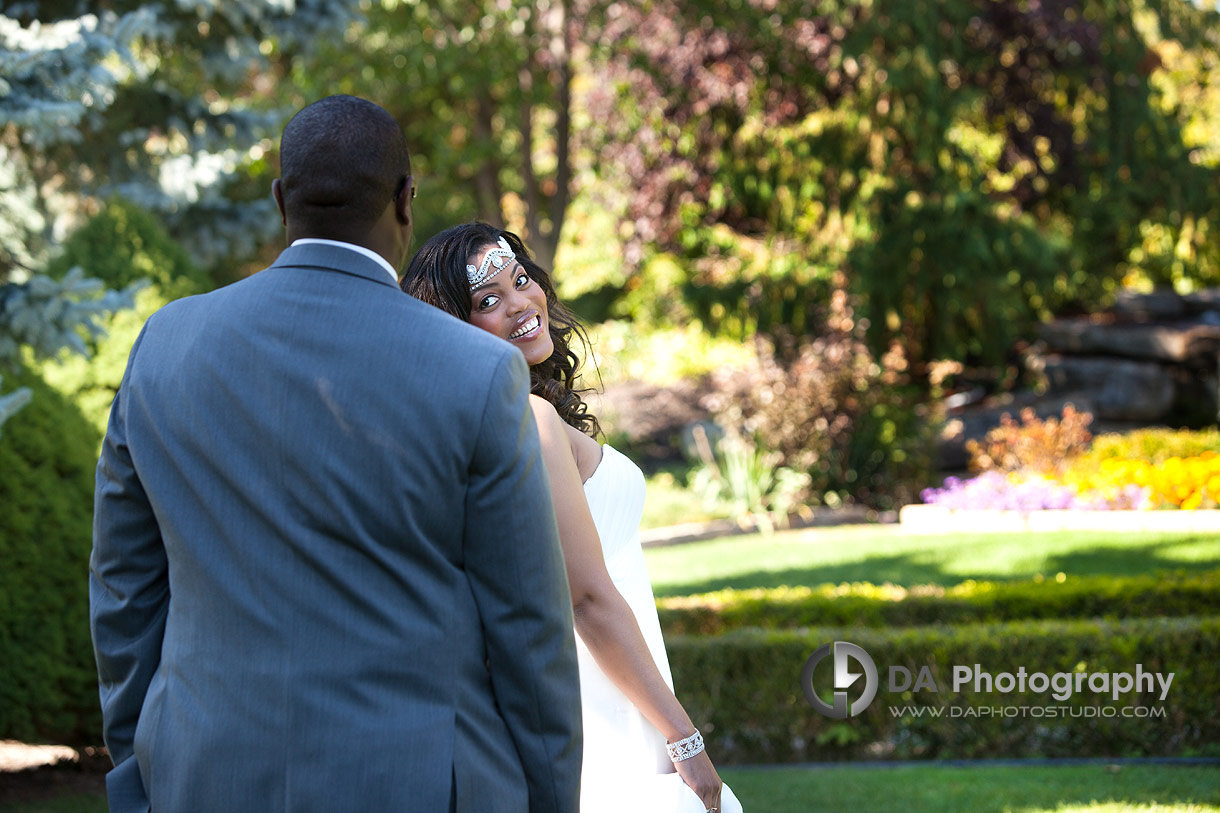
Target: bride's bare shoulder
<point>586,451</point>
<point>544,411</point>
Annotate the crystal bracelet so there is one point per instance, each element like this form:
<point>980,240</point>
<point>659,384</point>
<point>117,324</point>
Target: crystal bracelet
<point>685,748</point>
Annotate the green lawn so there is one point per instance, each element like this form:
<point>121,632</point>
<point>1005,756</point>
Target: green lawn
<point>70,803</point>
<point>877,554</point>
<point>917,788</point>
<point>986,789</point>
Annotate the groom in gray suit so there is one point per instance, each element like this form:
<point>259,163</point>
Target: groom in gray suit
<point>325,573</point>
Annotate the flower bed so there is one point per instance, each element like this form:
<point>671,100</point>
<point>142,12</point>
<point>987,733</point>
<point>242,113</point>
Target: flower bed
<point>1035,474</point>
<point>1186,483</point>
<point>1015,491</point>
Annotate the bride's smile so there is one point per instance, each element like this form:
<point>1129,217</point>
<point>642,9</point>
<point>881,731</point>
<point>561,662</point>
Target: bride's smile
<point>528,328</point>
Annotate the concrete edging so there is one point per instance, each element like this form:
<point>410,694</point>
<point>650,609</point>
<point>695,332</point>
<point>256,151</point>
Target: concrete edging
<point>938,519</point>
<point>698,531</point>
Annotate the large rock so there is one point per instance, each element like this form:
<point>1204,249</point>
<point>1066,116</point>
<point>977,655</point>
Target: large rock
<point>1174,342</point>
<point>1119,389</point>
<point>1202,302</point>
<point>1163,304</point>
<point>1152,359</point>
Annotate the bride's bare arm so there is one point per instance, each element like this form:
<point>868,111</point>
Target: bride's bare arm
<point>603,618</point>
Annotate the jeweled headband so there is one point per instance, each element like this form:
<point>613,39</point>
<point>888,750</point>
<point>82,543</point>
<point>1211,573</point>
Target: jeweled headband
<point>493,263</point>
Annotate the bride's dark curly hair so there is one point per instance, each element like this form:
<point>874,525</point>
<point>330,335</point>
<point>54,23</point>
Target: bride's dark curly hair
<point>437,275</point>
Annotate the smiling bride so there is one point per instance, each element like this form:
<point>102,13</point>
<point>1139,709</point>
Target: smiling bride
<point>641,750</point>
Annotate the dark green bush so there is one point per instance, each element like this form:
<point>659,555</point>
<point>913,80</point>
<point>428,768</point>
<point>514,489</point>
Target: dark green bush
<point>119,245</point>
<point>124,243</point>
<point>48,682</point>
<point>830,409</point>
<point>1178,593</point>
<point>743,690</point>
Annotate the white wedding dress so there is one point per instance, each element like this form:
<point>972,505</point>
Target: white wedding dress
<point>626,767</point>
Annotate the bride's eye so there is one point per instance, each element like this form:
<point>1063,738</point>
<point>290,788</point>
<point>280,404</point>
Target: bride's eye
<point>487,301</point>
<point>523,279</point>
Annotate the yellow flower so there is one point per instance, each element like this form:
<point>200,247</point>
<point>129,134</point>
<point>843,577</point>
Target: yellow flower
<point>1190,483</point>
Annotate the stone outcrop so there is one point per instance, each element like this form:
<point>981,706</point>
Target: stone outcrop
<point>1146,359</point>
<point>1152,359</point>
<point>1160,343</point>
<point>1117,389</point>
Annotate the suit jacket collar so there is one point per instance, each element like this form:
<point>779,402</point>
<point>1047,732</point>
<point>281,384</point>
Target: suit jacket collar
<point>333,258</point>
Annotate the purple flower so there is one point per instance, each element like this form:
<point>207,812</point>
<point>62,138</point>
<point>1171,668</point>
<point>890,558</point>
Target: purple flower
<point>995,491</point>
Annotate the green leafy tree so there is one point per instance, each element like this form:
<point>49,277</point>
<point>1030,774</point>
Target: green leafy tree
<point>485,93</point>
<point>973,166</point>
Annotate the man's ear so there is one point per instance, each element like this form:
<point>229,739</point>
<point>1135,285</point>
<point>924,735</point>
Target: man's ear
<point>278,193</point>
<point>402,208</point>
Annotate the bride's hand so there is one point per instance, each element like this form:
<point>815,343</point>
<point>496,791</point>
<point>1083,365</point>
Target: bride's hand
<point>700,776</point>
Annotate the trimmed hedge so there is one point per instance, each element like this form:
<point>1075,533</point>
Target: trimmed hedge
<point>1172,593</point>
<point>48,680</point>
<point>743,690</point>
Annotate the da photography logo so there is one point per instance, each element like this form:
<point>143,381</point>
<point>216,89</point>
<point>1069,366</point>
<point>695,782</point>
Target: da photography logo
<point>1034,689</point>
<point>844,677</point>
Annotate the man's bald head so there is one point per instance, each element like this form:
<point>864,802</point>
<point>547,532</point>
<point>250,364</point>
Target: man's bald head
<point>342,161</point>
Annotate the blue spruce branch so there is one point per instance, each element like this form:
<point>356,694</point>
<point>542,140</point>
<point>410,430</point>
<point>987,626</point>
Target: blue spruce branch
<point>15,400</point>
<point>53,315</point>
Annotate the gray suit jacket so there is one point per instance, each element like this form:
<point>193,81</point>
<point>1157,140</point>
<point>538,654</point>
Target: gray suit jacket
<point>326,574</point>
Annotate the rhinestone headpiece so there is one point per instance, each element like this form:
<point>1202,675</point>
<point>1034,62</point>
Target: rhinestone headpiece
<point>493,263</point>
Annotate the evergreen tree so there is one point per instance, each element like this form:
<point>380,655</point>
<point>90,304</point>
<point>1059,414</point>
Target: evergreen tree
<point>159,102</point>
<point>15,400</point>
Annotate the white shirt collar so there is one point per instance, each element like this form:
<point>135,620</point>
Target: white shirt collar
<point>368,252</point>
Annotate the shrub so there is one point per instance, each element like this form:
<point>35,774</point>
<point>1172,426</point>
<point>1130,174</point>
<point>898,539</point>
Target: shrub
<point>743,691</point>
<point>1035,445</point>
<point>829,409</point>
<point>120,245</point>
<point>1171,594</point>
<point>746,482</point>
<point>48,683</point>
<point>660,356</point>
<point>1153,445</point>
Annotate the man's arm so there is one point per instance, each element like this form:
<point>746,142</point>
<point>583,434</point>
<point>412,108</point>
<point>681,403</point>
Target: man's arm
<point>128,600</point>
<point>516,570</point>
